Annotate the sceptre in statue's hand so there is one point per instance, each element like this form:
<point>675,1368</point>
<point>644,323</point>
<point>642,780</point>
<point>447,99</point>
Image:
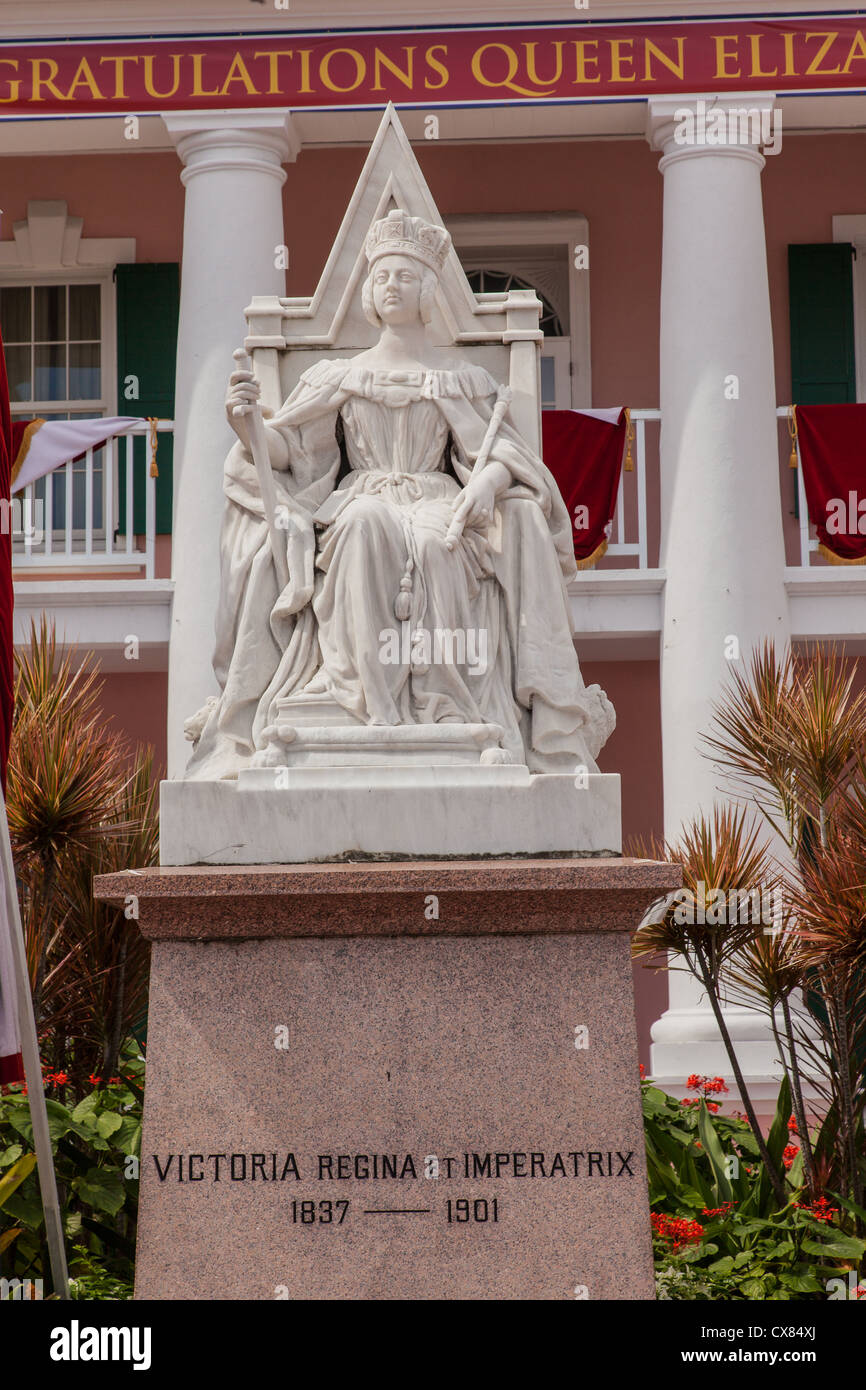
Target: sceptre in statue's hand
<point>244,383</point>
<point>465,510</point>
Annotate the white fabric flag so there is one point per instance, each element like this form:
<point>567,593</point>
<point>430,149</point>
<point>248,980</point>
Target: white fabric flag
<point>54,442</point>
<point>610,414</point>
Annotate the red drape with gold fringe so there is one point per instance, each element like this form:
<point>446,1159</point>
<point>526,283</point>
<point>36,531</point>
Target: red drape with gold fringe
<point>832,440</point>
<point>584,454</point>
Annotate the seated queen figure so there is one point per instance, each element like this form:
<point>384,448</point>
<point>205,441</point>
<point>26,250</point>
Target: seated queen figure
<point>389,528</point>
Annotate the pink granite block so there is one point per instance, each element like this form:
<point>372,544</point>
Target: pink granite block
<point>330,1041</point>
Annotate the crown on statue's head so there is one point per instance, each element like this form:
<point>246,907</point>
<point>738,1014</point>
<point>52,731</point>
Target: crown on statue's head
<point>398,234</point>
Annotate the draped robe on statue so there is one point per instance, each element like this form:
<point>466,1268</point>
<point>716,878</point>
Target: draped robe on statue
<point>375,462</point>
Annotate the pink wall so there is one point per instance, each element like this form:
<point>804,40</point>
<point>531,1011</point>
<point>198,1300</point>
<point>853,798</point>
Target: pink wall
<point>117,195</point>
<point>137,706</point>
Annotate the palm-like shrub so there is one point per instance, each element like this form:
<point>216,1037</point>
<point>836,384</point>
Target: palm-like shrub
<point>80,801</point>
<point>789,736</point>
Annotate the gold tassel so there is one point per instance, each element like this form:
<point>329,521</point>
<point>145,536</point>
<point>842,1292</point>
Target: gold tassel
<point>629,436</point>
<point>792,431</point>
<point>838,559</point>
<point>153,421</point>
<point>592,559</point>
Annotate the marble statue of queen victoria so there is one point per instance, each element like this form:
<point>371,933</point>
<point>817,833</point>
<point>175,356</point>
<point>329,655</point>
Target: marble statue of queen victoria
<point>405,503</point>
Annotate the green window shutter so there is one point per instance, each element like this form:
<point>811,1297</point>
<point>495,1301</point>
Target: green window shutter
<point>820,283</point>
<point>148,298</point>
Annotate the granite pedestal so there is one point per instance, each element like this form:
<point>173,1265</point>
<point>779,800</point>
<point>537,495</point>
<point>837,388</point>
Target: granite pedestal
<point>393,1081</point>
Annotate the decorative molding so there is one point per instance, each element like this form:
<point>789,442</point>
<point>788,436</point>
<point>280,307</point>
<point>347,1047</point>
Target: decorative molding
<point>49,239</point>
<point>663,113</point>
<point>209,140</point>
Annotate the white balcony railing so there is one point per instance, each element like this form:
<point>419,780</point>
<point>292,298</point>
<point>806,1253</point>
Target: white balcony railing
<point>72,517</point>
<point>635,505</point>
<point>631,508</point>
<point>808,535</point>
<point>78,499</point>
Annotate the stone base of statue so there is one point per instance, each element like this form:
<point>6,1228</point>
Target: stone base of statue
<point>420,802</point>
<point>393,1081</point>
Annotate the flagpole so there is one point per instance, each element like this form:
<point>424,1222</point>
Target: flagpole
<point>33,1069</point>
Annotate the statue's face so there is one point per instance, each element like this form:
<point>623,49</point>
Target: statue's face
<point>397,289</point>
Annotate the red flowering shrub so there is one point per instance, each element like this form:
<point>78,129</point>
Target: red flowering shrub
<point>707,1085</point>
<point>678,1230</point>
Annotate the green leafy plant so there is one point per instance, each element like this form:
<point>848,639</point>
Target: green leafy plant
<point>718,1232</point>
<point>97,1147</point>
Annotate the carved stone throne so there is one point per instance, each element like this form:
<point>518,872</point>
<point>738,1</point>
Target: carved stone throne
<point>324,786</point>
<point>286,336</point>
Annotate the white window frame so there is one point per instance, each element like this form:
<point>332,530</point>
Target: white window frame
<point>107,402</point>
<point>569,229</point>
<point>852,228</point>
<point>48,249</point>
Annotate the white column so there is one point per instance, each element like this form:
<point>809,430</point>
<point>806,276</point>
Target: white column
<point>722,541</point>
<point>233,223</point>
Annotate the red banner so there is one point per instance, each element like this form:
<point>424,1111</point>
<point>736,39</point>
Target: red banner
<point>584,454</point>
<point>832,441</point>
<point>434,66</point>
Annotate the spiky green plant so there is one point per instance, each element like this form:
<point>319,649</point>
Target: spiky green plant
<point>721,854</point>
<point>789,736</point>
<point>80,801</point>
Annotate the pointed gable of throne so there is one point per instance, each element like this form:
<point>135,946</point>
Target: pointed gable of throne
<point>497,331</point>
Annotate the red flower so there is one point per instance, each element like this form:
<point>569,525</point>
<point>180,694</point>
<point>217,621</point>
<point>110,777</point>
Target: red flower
<point>59,1078</point>
<point>713,1105</point>
<point>642,1070</point>
<point>791,1151</point>
<point>820,1209</point>
<point>114,1081</point>
<point>677,1229</point>
<point>719,1211</point>
<point>792,1124</point>
<point>709,1085</point>
<point>94,1079</point>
